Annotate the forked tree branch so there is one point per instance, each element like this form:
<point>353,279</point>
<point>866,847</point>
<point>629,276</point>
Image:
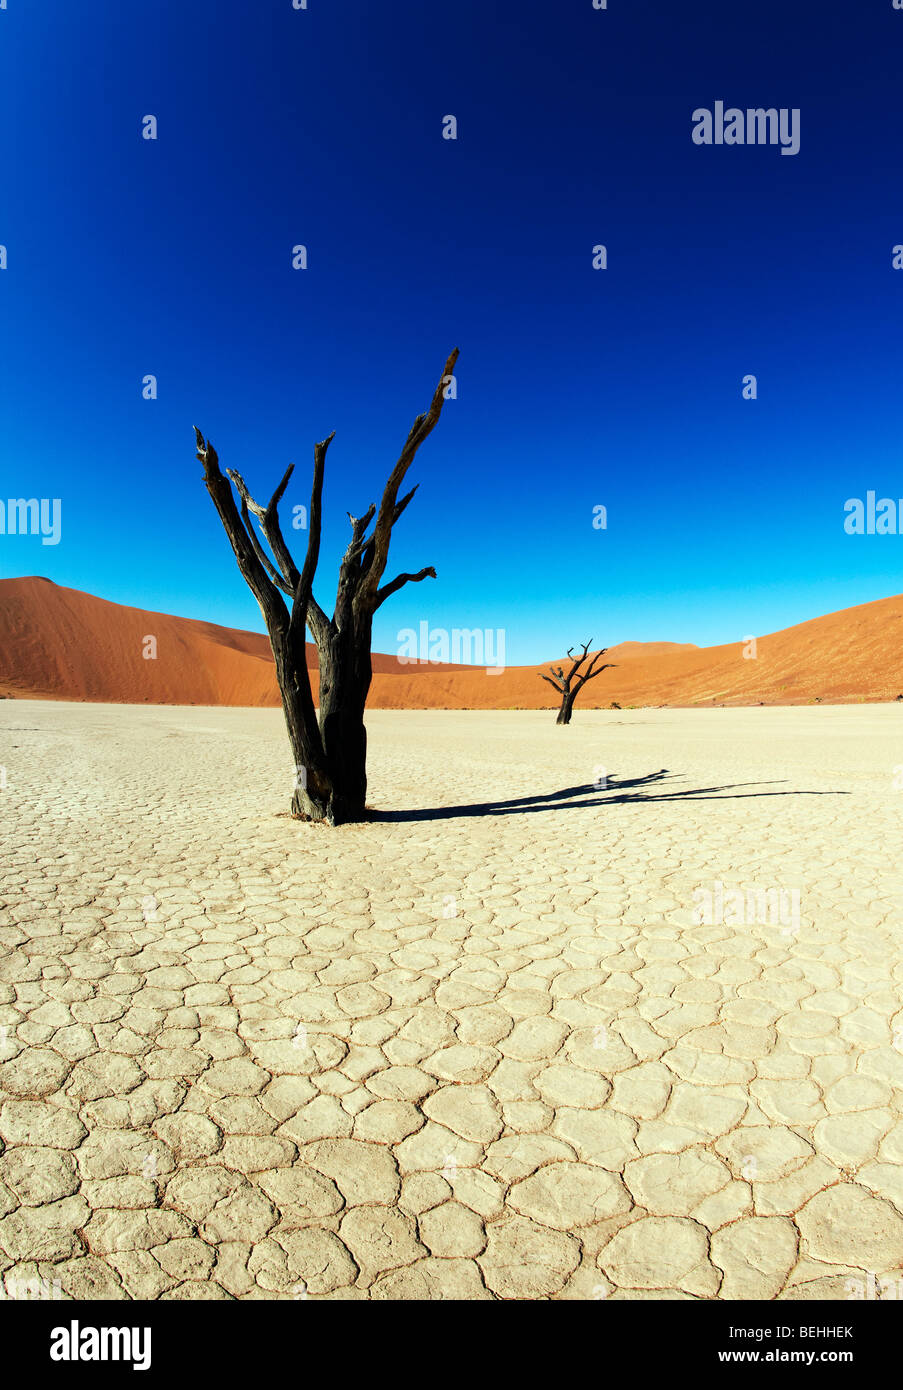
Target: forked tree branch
<point>365,559</point>
<point>562,682</point>
<point>578,661</point>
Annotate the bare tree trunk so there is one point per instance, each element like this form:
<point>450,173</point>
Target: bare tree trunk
<point>312,791</point>
<point>345,675</point>
<point>329,748</point>
<point>567,709</point>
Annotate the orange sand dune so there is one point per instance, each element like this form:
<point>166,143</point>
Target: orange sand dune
<point>62,644</point>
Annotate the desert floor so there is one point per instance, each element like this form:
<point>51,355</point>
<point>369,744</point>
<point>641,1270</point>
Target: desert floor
<point>475,1048</point>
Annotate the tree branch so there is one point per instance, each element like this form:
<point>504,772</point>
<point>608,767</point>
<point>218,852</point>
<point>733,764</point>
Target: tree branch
<point>317,621</point>
<point>609,665</point>
<point>269,524</point>
<point>400,506</point>
<point>589,670</point>
<point>389,505</point>
<point>258,548</point>
<point>359,542</point>
<point>578,662</point>
<point>562,682</point>
<point>305,608</point>
<point>402,579</point>
<point>246,553</point>
<point>368,548</point>
<point>351,567</point>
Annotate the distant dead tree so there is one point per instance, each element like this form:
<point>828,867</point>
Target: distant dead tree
<point>330,751</point>
<point>565,683</point>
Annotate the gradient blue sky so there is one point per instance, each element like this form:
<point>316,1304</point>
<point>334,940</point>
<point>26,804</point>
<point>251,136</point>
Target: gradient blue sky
<point>575,387</point>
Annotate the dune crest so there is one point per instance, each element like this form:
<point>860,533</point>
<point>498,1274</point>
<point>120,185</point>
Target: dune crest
<point>62,644</point>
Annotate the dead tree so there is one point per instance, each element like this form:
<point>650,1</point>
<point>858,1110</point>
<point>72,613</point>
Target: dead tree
<point>565,683</point>
<point>329,748</point>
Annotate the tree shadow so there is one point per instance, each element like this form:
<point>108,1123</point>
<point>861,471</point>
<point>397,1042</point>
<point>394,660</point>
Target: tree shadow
<point>614,793</point>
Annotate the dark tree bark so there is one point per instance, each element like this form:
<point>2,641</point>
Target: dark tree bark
<point>329,747</point>
<point>571,684</point>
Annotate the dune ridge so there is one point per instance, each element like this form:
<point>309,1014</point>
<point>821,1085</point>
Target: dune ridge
<point>63,644</point>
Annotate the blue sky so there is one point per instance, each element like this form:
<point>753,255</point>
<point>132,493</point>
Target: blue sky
<point>576,387</point>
